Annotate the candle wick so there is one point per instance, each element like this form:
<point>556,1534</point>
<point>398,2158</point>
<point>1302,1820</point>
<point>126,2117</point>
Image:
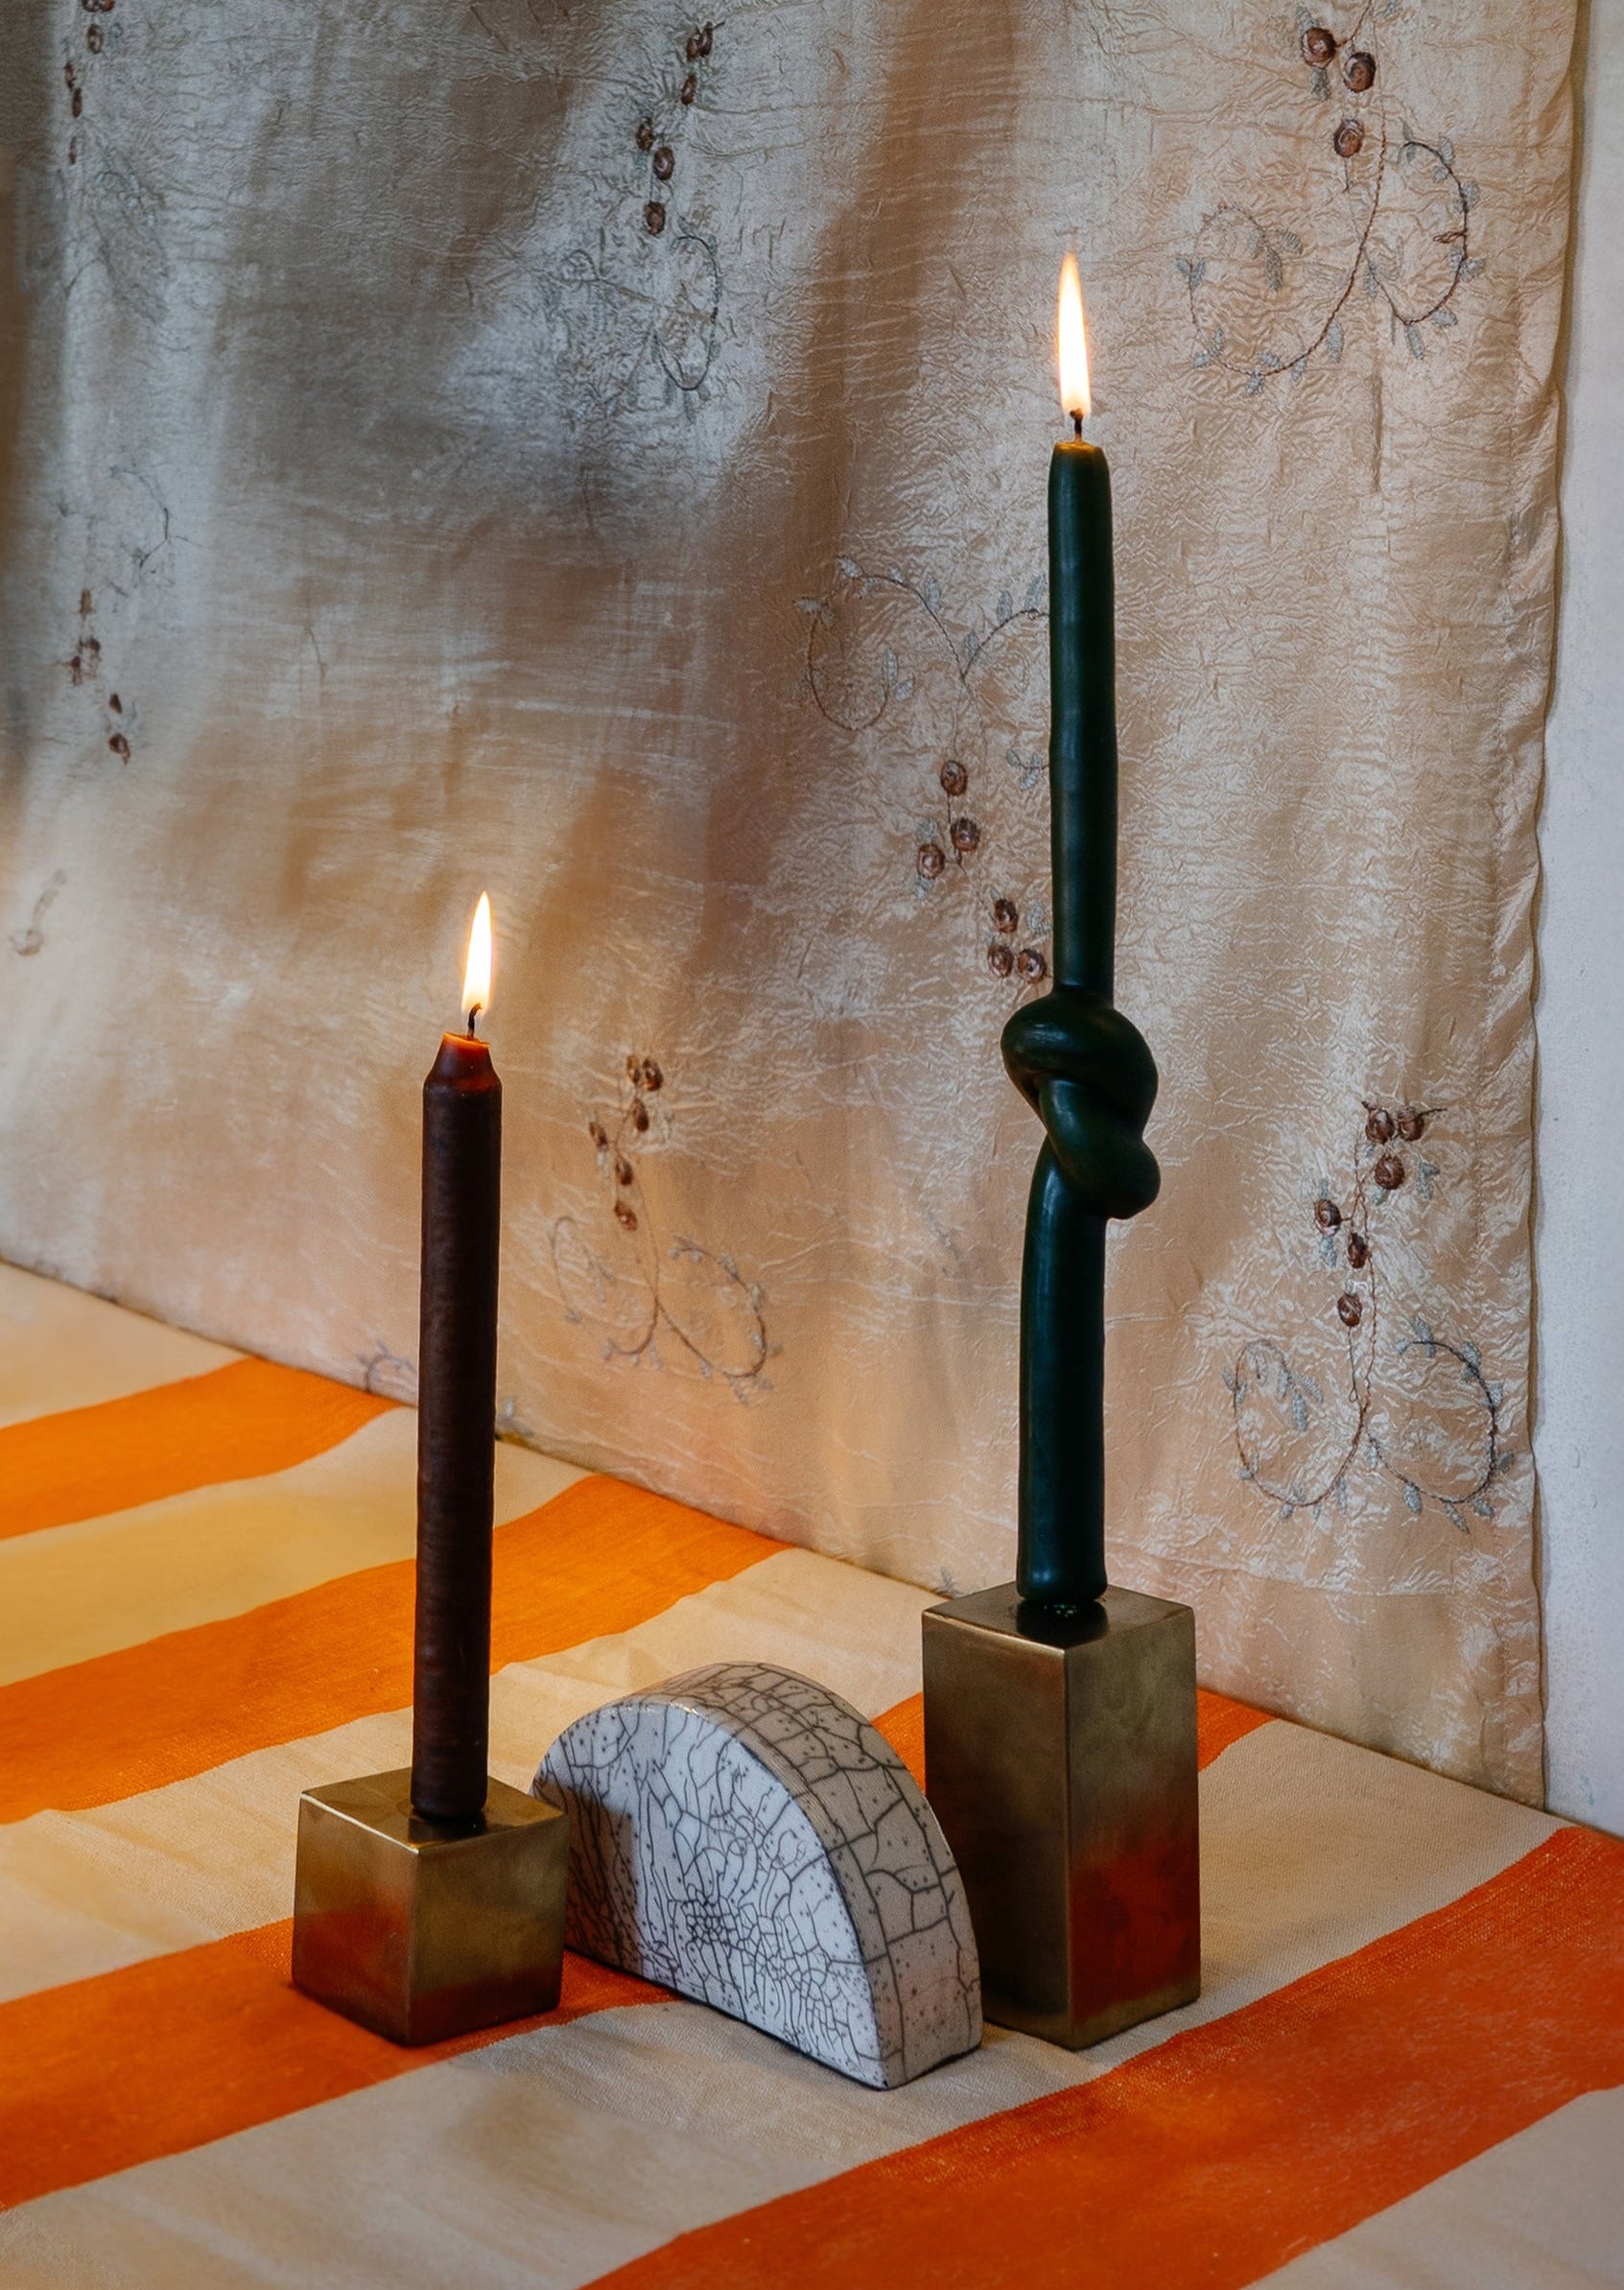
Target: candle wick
<point>1077,424</point>
<point>473,1014</point>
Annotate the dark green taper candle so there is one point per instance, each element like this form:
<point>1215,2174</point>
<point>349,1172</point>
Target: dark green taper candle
<point>1082,1067</point>
<point>1082,731</point>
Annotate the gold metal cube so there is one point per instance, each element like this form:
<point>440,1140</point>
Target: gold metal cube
<point>1060,1759</point>
<point>419,1932</point>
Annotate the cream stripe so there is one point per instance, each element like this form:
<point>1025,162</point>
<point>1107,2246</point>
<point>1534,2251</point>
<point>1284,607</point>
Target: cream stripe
<point>552,2157</point>
<point>61,1349</point>
<point>70,1593</point>
<point>82,1893</point>
<point>1541,2211</point>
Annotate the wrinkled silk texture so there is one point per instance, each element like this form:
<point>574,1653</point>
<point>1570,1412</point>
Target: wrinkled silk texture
<point>440,522</point>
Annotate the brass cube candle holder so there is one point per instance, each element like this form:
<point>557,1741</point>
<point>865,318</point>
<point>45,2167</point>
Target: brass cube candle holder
<point>425,1929</point>
<point>1060,1757</point>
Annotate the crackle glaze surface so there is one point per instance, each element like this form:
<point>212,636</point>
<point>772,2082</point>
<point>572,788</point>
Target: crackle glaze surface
<point>495,446</point>
<point>741,1836</point>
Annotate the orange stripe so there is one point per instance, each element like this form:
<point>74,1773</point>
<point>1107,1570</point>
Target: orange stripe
<point>184,2048</point>
<point>1218,1721</point>
<point>599,1558</point>
<point>235,1423</point>
<point>1233,2148</point>
<point>903,1728</point>
<point>166,2055</point>
<point>100,2074</point>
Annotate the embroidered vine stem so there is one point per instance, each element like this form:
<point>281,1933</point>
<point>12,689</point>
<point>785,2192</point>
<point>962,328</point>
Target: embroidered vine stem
<point>578,1265</point>
<point>936,849</point>
<point>1272,244</point>
<point>929,603</point>
<point>670,362</point>
<point>1379,1171</point>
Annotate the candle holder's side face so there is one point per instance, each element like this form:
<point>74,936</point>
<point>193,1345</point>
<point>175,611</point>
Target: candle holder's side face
<point>1061,1757</point>
<point>419,1933</point>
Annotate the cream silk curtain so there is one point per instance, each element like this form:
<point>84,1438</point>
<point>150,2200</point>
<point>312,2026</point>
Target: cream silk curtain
<point>581,452</point>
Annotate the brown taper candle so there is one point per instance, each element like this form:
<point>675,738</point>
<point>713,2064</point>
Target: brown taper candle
<point>456,1430</point>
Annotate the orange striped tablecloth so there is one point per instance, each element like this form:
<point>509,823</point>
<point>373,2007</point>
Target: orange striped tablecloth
<point>1406,2066</point>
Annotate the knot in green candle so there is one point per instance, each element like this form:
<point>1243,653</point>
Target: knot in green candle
<point>1086,1073</point>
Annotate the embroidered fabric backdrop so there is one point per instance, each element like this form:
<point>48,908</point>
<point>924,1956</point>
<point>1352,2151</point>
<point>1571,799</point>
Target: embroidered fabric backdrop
<point>600,455</point>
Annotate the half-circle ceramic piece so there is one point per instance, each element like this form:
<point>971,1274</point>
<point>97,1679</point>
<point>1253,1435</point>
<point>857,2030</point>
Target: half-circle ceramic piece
<point>745,1836</point>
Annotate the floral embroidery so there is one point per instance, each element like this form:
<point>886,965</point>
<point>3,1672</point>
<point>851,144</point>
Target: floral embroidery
<point>1262,304</point>
<point>638,1287</point>
<point>388,1373</point>
<point>32,936</point>
<point>661,124</point>
<point>84,668</point>
<point>75,73</point>
<point>1452,1448</point>
<point>882,654</point>
<point>666,289</point>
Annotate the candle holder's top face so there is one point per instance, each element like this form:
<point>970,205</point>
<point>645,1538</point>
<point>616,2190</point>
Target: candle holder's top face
<point>1110,1615</point>
<point>743,1835</point>
<point>381,1802</point>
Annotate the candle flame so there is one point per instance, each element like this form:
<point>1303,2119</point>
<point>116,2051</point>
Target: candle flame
<point>1075,398</point>
<point>476,978</point>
